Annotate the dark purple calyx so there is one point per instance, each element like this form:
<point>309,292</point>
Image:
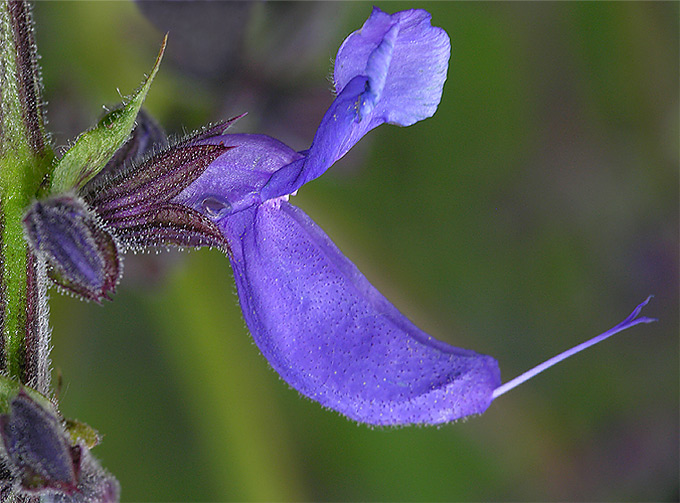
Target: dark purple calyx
<point>136,202</point>
<point>37,447</point>
<point>81,254</point>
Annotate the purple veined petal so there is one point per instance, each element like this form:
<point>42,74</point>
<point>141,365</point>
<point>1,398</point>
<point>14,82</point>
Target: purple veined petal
<point>234,180</point>
<point>157,180</point>
<point>167,224</point>
<point>135,201</point>
<point>332,336</point>
<point>392,70</point>
<point>212,130</point>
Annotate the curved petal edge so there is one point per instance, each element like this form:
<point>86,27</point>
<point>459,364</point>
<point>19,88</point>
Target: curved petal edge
<point>333,337</point>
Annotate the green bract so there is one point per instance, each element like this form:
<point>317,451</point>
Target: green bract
<point>94,148</point>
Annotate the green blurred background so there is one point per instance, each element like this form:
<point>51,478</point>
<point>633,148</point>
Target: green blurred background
<point>533,211</point>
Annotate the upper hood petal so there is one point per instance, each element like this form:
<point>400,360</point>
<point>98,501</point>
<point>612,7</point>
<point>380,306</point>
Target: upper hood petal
<point>392,70</point>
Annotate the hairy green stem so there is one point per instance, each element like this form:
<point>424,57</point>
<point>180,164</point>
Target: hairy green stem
<point>25,160</point>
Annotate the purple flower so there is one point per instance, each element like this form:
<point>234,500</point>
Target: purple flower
<point>392,70</point>
<point>319,322</point>
<point>323,327</point>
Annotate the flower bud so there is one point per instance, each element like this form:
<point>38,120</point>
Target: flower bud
<point>82,255</point>
<point>37,447</point>
<point>96,485</point>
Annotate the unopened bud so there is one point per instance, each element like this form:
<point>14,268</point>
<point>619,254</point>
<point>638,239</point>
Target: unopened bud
<point>82,255</point>
<point>37,447</point>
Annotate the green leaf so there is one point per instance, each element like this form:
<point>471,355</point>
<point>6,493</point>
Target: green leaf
<point>94,148</point>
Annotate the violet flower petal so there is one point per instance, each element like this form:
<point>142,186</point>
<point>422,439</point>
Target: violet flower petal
<point>392,70</point>
<point>234,180</point>
<point>406,60</point>
<point>332,336</point>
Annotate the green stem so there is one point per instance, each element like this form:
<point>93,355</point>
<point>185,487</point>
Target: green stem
<point>25,160</point>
